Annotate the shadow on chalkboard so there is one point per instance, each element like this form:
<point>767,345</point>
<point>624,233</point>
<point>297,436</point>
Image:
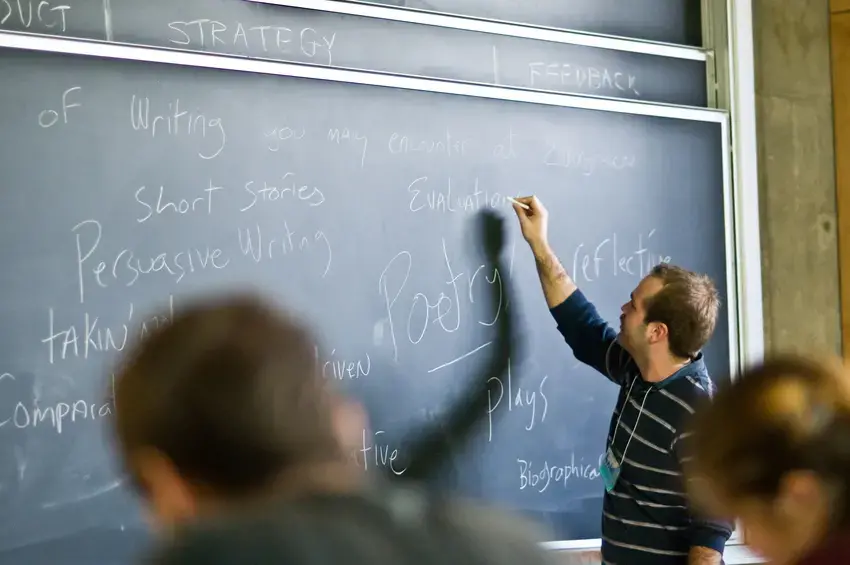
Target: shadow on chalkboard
<point>434,446</point>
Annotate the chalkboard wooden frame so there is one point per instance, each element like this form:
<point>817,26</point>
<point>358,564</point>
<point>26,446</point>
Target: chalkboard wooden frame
<point>737,200</point>
<point>468,23</point>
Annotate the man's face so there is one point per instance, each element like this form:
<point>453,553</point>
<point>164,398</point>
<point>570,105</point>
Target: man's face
<point>634,333</point>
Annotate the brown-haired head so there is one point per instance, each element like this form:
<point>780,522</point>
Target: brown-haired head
<point>687,304</point>
<point>773,447</point>
<point>229,395</point>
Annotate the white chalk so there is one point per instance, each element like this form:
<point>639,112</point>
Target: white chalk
<point>518,203</point>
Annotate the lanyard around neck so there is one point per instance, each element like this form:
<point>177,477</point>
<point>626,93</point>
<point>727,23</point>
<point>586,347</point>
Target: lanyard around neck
<point>620,417</point>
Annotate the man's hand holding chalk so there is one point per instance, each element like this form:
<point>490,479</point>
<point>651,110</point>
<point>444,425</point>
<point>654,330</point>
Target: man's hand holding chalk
<point>534,221</point>
<point>518,203</point>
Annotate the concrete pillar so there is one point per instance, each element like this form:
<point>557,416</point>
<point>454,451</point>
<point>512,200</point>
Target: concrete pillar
<point>797,179</point>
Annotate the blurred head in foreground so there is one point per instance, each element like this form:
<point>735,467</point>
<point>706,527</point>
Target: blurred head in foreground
<point>773,449</point>
<point>225,406</point>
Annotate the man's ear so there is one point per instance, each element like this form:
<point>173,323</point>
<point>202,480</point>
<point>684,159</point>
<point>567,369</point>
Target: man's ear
<point>171,499</point>
<point>799,491</point>
<point>350,422</point>
<point>657,332</point>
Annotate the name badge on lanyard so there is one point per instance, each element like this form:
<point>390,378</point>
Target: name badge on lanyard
<point>610,468</point>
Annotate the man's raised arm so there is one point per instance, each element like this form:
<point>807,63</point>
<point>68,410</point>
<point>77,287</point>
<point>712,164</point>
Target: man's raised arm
<point>592,340</point>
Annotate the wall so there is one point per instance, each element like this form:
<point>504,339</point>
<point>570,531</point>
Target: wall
<point>796,169</point>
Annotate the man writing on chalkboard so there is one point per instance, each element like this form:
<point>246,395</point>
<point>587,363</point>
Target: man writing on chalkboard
<point>656,361</point>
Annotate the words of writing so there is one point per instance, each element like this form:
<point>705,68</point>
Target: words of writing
<point>424,311</point>
<point>541,479</point>
<point>277,39</point>
<point>526,399</point>
<point>609,258</point>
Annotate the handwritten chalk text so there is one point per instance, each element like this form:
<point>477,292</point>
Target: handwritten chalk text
<point>519,399</point>
<point>423,311</point>
<point>287,189</point>
<point>34,14</point>
<point>206,33</point>
<point>180,206</point>
<point>541,478</point>
<point>285,243</point>
<point>126,267</point>
<point>447,200</point>
<point>172,120</point>
<point>590,78</point>
<point>615,257</point>
<point>88,336</point>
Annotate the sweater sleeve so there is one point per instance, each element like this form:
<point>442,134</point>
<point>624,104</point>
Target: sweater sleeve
<point>591,339</point>
<point>704,531</point>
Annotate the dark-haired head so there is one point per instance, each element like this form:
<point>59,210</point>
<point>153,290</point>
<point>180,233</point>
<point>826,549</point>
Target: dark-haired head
<point>670,316</point>
<point>226,404</point>
<point>773,448</point>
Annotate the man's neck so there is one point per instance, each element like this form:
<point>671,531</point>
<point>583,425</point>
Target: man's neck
<point>655,370</point>
<point>332,477</point>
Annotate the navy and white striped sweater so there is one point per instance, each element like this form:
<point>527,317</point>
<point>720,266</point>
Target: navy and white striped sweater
<point>645,518</point>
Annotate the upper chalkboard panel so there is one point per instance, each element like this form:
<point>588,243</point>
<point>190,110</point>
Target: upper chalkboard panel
<point>366,43</point>
<point>669,21</point>
<point>131,186</point>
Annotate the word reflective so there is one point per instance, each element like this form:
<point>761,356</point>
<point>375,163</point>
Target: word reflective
<point>616,256</point>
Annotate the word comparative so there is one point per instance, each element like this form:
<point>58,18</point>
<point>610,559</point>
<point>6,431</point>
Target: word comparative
<point>56,416</point>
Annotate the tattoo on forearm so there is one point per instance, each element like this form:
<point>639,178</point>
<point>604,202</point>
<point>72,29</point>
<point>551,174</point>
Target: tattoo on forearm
<point>550,268</point>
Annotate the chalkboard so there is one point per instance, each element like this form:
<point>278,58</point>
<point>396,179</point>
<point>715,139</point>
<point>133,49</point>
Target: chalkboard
<point>670,21</point>
<point>330,39</point>
<point>130,186</point>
